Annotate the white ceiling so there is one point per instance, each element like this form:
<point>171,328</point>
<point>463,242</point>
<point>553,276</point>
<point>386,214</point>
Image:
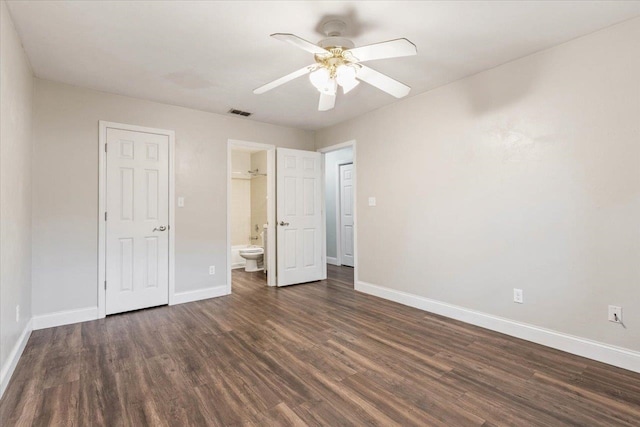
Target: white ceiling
<point>211,55</point>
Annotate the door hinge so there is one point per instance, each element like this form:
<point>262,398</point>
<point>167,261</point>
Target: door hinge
<point>105,147</point>
<point>105,284</point>
<point>105,216</point>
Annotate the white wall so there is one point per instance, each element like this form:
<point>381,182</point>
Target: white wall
<point>16,93</point>
<point>526,175</point>
<point>331,162</point>
<point>65,187</point>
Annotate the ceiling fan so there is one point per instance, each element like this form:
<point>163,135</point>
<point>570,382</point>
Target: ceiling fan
<point>339,63</point>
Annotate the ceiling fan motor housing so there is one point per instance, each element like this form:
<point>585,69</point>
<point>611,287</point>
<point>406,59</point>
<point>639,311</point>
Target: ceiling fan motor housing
<point>337,41</point>
<point>334,29</point>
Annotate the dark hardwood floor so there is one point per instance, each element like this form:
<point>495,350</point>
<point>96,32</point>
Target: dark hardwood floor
<point>315,354</point>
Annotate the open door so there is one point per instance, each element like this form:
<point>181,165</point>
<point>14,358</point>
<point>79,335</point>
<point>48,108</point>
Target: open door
<point>299,217</point>
<point>346,214</point>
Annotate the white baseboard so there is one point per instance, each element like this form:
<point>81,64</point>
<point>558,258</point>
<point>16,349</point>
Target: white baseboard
<point>200,294</point>
<point>333,261</point>
<point>616,356</point>
<point>65,317</point>
<point>12,361</point>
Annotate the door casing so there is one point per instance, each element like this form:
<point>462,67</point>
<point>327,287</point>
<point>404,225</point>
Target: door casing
<point>271,206</point>
<point>102,205</point>
<point>351,143</point>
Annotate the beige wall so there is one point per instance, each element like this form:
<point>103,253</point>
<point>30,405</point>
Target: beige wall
<point>65,192</point>
<point>258,195</point>
<point>526,175</point>
<point>16,93</point>
<point>240,197</point>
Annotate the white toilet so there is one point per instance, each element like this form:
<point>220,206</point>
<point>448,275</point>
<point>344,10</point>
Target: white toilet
<point>254,256</point>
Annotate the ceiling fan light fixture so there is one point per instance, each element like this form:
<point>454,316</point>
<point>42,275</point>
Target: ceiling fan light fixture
<point>348,87</point>
<point>323,81</point>
<point>319,78</point>
<point>346,77</point>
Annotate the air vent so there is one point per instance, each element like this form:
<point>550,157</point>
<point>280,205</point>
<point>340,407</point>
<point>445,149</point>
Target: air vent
<point>239,112</point>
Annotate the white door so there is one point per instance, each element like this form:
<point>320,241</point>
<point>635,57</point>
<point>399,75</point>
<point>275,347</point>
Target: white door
<point>346,214</point>
<point>299,217</point>
<point>137,237</point>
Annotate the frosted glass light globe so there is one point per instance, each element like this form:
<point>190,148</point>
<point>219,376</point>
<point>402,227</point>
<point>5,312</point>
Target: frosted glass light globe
<point>346,77</point>
<point>319,78</point>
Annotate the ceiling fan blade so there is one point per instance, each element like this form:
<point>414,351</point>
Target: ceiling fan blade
<point>283,80</point>
<point>327,102</point>
<point>301,43</point>
<point>383,82</point>
<point>389,49</point>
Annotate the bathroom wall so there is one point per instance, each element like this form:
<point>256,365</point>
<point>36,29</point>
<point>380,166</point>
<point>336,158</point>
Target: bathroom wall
<point>258,195</point>
<point>240,198</point>
<point>331,162</point>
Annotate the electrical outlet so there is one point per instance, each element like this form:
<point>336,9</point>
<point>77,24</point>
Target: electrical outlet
<point>372,201</point>
<point>518,296</point>
<point>17,313</point>
<point>212,270</point>
<point>615,314</point>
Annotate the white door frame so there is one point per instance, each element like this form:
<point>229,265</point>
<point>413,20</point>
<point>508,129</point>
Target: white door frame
<point>102,204</point>
<point>324,150</point>
<point>271,206</point>
<point>339,210</point>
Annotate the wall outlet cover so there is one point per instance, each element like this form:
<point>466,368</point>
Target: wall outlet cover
<point>372,201</point>
<point>518,296</point>
<point>212,270</point>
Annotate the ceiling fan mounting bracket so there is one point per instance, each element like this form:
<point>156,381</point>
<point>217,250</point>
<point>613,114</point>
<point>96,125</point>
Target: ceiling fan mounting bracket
<point>334,28</point>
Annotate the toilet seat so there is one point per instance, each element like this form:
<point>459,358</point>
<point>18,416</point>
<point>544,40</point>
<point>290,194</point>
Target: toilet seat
<point>252,251</point>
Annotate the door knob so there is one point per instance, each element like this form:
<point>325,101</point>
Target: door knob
<point>161,228</point>
<point>283,224</point>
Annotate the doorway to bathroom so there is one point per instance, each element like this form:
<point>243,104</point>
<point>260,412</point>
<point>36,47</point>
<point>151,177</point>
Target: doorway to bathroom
<point>251,211</point>
<point>340,205</point>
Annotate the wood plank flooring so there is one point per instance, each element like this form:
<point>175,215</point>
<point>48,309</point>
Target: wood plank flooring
<point>315,354</point>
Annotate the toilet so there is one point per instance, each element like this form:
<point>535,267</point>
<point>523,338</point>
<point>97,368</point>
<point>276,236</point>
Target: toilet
<point>254,256</point>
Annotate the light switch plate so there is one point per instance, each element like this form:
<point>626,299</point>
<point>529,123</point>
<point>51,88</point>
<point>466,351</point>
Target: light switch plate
<point>615,314</point>
<point>372,201</point>
<point>212,270</point>
<point>181,202</point>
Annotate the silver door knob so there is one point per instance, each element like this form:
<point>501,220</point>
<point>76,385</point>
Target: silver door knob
<point>161,228</point>
<point>283,224</point>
